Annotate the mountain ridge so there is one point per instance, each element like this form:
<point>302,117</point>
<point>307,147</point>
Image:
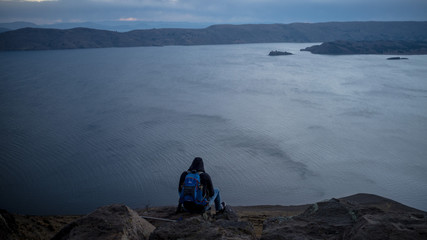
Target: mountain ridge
<point>115,25</point>
<point>46,39</point>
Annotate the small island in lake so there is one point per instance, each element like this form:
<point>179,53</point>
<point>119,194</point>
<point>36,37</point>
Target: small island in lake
<point>397,58</point>
<point>279,53</point>
<point>370,47</point>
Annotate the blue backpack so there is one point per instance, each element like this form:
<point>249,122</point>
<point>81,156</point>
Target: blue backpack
<point>191,195</point>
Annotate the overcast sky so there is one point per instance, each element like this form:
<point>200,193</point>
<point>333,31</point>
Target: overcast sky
<point>212,11</point>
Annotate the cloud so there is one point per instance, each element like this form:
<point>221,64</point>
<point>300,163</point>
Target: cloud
<point>39,1</point>
<point>218,11</point>
<point>29,0</point>
<point>130,19</point>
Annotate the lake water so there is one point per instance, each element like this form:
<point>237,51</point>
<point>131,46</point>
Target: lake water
<point>85,128</point>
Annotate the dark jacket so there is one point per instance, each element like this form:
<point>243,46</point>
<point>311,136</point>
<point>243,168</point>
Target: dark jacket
<point>205,179</point>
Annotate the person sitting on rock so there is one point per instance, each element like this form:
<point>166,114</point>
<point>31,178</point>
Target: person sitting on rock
<point>196,191</point>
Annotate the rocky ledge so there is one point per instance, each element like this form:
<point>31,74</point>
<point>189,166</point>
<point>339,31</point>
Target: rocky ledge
<point>370,47</point>
<point>361,216</point>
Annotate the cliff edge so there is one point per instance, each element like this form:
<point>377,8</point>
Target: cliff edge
<point>360,216</point>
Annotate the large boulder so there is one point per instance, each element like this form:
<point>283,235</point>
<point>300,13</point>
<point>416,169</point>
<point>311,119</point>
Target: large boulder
<point>325,220</point>
<point>108,222</point>
<point>344,219</point>
<point>392,226</point>
<point>200,228</point>
<point>8,226</point>
<point>227,214</point>
<point>220,226</point>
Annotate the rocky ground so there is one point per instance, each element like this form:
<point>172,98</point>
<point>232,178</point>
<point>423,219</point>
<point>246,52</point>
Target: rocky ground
<point>361,216</point>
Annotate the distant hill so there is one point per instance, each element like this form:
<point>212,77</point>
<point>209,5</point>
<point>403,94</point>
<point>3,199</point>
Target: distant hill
<point>120,26</point>
<point>42,39</point>
<point>126,26</point>
<point>4,29</point>
<point>17,25</point>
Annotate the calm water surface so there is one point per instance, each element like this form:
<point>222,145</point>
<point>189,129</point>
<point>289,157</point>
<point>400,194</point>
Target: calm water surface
<point>85,128</point>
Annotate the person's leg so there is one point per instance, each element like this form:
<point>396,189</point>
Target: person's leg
<point>214,199</point>
<point>179,208</point>
<point>211,200</point>
<point>217,200</point>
